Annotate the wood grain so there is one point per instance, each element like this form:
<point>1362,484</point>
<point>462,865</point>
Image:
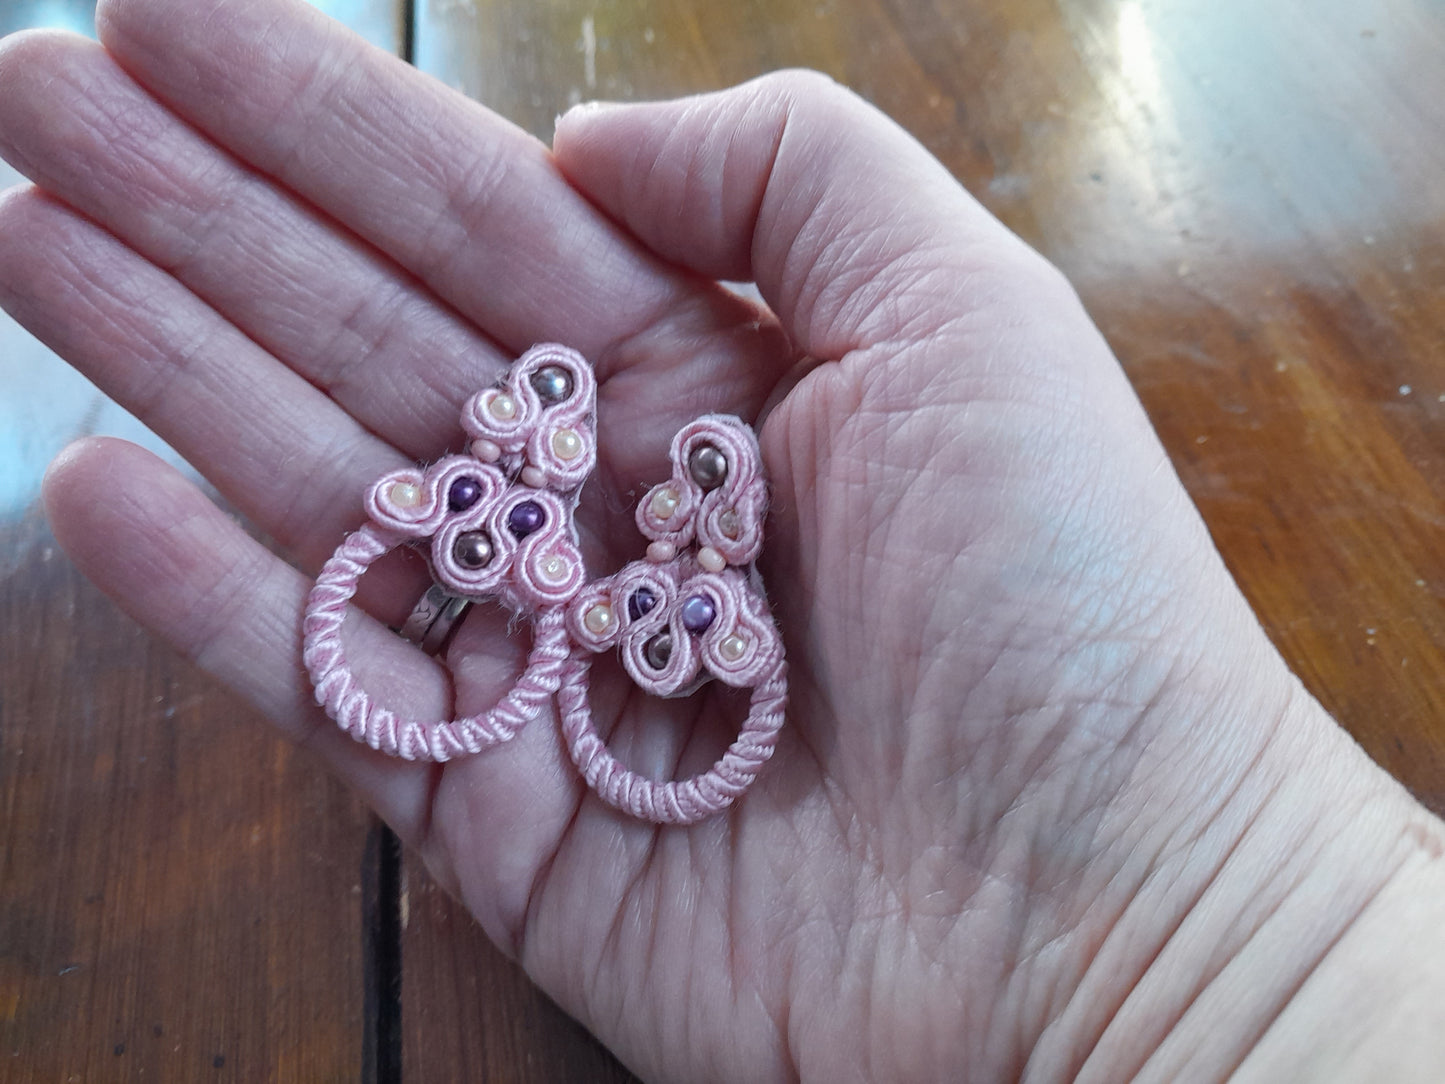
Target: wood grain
<point>182,890</point>
<point>469,1013</point>
<point>1247,197</point>
<point>184,895</point>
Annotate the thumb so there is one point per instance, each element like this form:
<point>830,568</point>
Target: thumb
<point>791,181</point>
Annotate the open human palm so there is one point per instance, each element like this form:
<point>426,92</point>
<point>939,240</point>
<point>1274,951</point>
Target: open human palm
<point>1033,726</point>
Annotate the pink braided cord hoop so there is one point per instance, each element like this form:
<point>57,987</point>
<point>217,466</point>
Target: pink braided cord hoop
<point>498,523</point>
<point>685,801</point>
<point>679,619</point>
<point>341,694</point>
<point>495,524</point>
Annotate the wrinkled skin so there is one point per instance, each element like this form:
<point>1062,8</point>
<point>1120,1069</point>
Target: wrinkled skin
<point>1045,788</point>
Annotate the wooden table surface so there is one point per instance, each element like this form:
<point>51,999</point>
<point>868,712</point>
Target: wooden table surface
<point>1248,195</point>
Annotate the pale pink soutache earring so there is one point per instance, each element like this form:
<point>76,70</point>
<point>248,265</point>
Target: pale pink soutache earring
<point>692,610</point>
<point>499,525</point>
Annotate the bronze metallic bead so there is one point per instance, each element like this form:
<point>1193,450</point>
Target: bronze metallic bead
<point>552,383</point>
<point>473,549</point>
<point>708,466</point>
<point>658,650</point>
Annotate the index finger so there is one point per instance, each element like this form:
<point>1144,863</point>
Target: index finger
<point>468,202</point>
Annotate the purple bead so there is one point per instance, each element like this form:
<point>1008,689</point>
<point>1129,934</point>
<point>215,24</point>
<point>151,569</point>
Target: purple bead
<point>698,612</point>
<point>525,518</point>
<point>464,493</point>
<point>641,602</point>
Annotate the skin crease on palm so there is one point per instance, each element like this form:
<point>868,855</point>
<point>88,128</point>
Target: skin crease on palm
<point>1048,804</point>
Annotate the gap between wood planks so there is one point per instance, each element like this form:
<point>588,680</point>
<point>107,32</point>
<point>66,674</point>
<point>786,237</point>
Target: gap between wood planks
<point>381,1059</point>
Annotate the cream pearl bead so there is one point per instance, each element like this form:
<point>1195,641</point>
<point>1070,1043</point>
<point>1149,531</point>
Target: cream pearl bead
<point>503,407</point>
<point>598,619</point>
<point>733,648</point>
<point>711,559</point>
<point>404,495</point>
<point>664,503</point>
<point>567,444</point>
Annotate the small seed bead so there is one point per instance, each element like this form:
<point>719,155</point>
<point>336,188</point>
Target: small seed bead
<point>711,559</point>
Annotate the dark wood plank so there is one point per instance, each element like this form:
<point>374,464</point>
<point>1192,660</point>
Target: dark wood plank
<point>469,1013</point>
<point>186,897</point>
<point>1240,200</point>
<point>1241,203</point>
<point>182,890</point>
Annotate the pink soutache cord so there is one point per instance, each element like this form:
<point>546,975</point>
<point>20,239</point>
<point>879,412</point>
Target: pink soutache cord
<point>338,690</point>
<point>685,801</point>
<point>498,524</point>
<point>726,516</point>
<point>495,524</point>
<point>678,618</point>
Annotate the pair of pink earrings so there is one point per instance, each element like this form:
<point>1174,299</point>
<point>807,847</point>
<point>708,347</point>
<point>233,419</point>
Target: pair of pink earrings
<point>498,523</point>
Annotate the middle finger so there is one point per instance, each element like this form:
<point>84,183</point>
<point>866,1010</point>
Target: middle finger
<point>467,202</point>
<point>335,310</point>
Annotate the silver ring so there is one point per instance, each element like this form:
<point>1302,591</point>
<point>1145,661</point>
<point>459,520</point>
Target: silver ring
<point>433,618</point>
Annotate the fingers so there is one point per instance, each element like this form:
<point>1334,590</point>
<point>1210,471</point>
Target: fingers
<point>288,457</point>
<point>469,203</point>
<point>841,218</point>
<point>179,566</point>
<point>312,295</point>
